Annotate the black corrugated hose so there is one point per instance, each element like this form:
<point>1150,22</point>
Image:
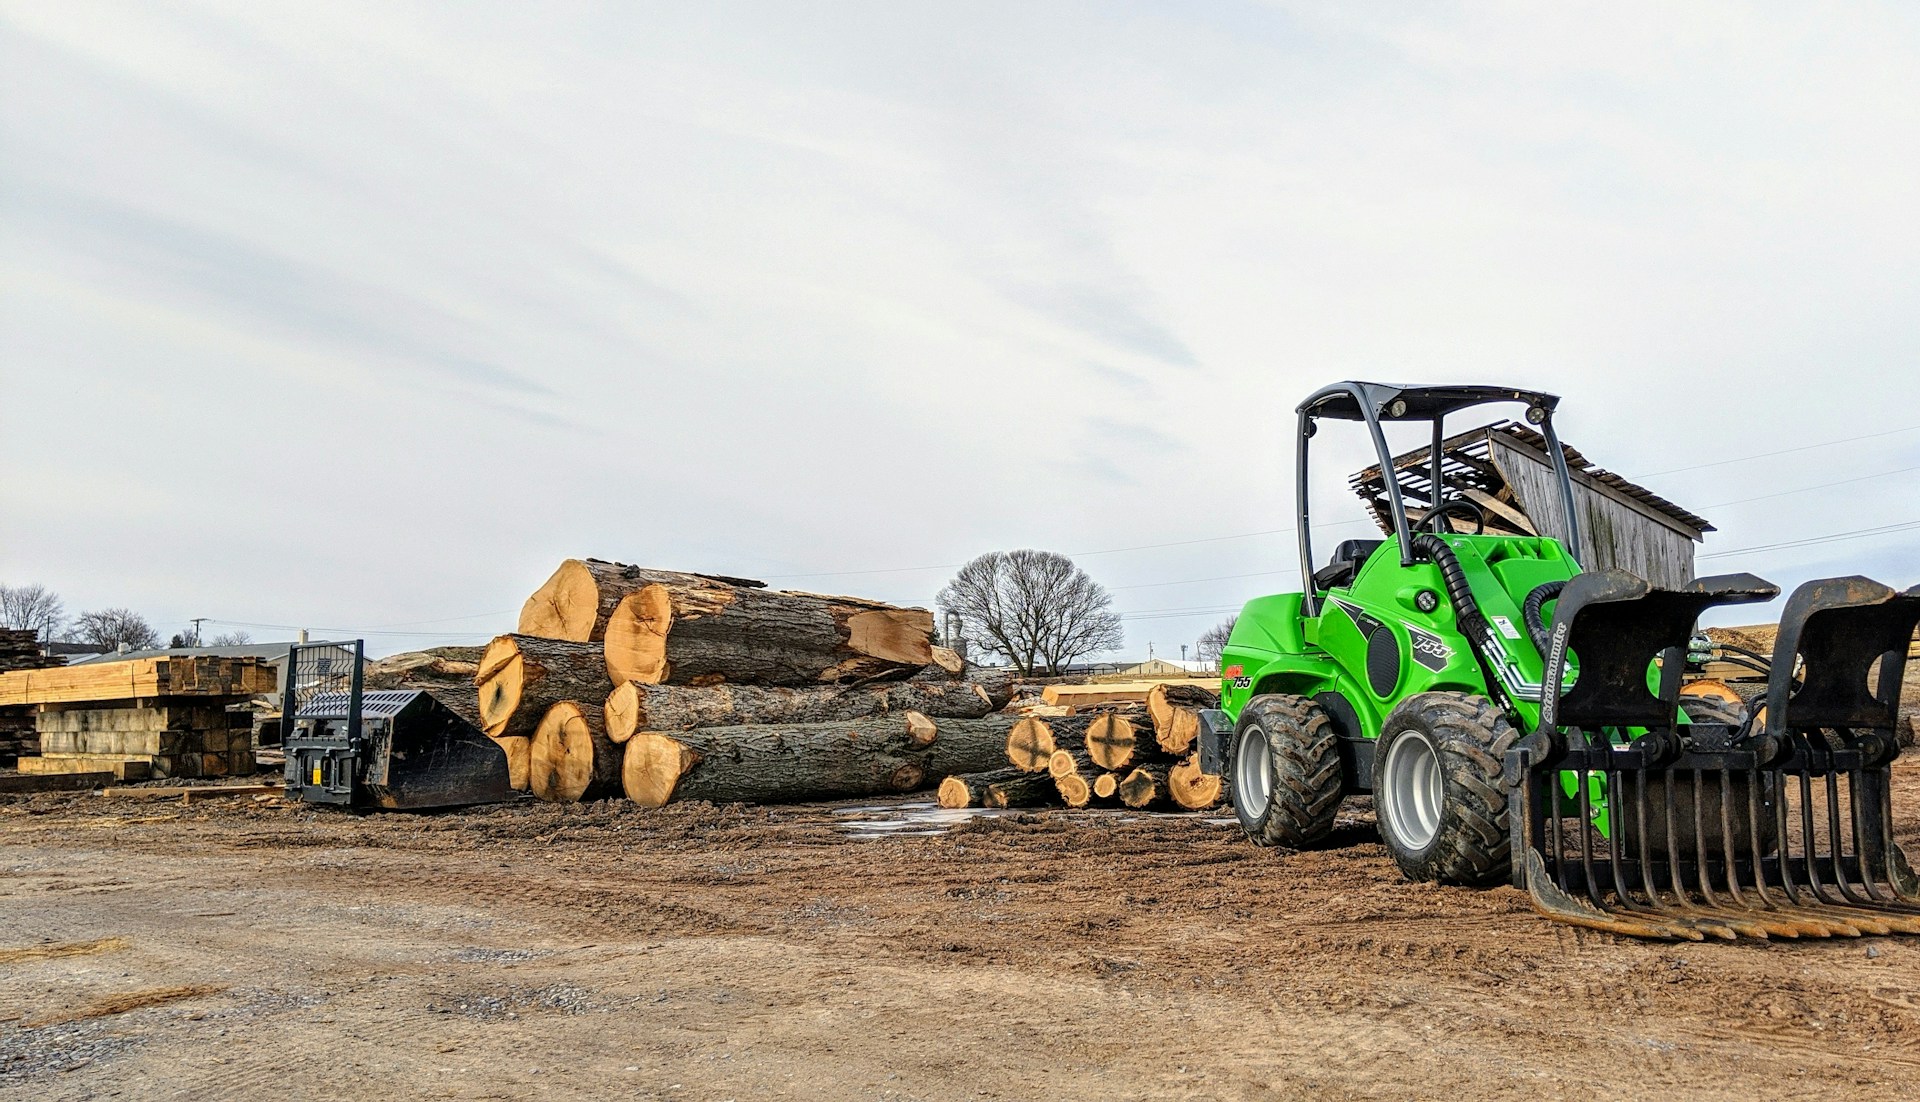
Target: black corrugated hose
<point>1532,611</point>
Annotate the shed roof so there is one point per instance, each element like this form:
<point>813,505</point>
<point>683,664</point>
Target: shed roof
<point>1467,461</point>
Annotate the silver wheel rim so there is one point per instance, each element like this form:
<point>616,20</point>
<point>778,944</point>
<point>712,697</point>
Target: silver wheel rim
<point>1410,793</point>
<point>1253,773</point>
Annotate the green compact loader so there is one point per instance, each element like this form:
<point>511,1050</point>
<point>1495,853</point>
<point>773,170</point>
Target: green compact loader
<point>1516,718</point>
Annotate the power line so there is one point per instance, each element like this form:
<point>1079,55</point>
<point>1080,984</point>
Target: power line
<point>1821,486</point>
<point>1782,451</point>
<point>1811,541</point>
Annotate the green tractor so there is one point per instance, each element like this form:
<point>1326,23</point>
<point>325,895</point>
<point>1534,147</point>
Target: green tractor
<point>1517,719</point>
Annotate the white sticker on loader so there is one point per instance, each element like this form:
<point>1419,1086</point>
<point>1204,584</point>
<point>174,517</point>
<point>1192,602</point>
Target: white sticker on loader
<point>1506,627</point>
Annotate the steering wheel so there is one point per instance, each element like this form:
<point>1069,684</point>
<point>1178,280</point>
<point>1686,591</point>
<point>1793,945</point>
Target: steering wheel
<point>1431,522</point>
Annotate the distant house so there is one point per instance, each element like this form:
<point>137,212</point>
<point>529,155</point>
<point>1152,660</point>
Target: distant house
<point>1505,470</point>
<point>273,654</point>
<point>1155,668</point>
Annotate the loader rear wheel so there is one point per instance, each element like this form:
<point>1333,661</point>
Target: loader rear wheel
<point>1436,788</point>
<point>1286,778</point>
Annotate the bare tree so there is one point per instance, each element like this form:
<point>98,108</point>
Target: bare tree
<point>110,627</point>
<point>1035,608</point>
<point>232,639</point>
<point>1214,639</point>
<point>32,608</point>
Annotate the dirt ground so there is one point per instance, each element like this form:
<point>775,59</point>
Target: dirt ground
<point>237,949</point>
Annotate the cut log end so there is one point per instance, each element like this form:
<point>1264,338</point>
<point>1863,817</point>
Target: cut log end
<point>1182,729</point>
<point>1142,786</point>
<point>499,678</point>
<point>652,767</point>
<point>1111,741</point>
<point>517,751</point>
<point>955,793</point>
<point>948,659</point>
<point>636,641</point>
<point>1061,764</point>
<point>623,712</point>
<point>1074,790</point>
<point>1030,745</point>
<point>562,765</point>
<point>1191,788</point>
<point>1105,785</point>
<point>565,607</point>
<point>892,634</point>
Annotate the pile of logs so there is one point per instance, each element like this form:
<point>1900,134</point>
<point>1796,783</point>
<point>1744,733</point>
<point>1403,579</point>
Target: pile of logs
<point>662,686</point>
<point>659,686</point>
<point>1137,754</point>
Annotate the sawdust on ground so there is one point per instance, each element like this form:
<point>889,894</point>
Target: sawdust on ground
<point>832,953</point>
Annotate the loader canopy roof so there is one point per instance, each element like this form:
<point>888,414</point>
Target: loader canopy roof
<point>1423,403</point>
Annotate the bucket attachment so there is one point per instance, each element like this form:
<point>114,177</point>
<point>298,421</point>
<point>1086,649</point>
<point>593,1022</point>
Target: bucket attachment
<point>1629,816</point>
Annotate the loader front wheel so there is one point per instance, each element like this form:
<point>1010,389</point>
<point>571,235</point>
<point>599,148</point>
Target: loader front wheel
<point>1286,779</point>
<point>1436,788</point>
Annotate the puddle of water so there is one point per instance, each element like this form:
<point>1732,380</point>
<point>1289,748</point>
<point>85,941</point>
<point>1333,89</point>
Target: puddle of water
<point>909,820</point>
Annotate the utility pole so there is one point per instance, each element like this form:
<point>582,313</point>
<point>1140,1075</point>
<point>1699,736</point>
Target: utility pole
<point>1183,652</point>
<point>196,622</point>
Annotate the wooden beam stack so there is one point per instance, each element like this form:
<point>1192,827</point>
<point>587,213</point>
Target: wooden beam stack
<point>150,717</point>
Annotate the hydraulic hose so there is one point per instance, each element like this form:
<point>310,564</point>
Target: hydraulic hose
<point>1533,613</point>
<point>1433,549</point>
<point>1473,624</point>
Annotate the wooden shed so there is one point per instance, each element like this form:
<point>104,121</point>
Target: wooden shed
<point>1504,469</point>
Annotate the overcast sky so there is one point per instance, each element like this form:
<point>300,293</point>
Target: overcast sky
<point>364,316</point>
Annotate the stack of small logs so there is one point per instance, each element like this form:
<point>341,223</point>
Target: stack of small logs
<point>661,686</point>
<point>1140,755</point>
<point>19,734</point>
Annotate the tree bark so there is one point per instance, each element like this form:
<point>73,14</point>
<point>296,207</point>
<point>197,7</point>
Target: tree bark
<point>639,707</point>
<point>1189,787</point>
<point>786,763</point>
<point>521,676</point>
<point>571,758</point>
<point>576,602</point>
<point>694,630</point>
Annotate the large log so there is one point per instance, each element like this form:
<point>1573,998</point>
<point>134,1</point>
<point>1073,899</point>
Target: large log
<point>787,763</point>
<point>571,759</point>
<point>1115,740</point>
<point>996,788</point>
<point>521,676</point>
<point>1032,741</point>
<point>694,630</point>
<point>576,602</point>
<point>635,706</point>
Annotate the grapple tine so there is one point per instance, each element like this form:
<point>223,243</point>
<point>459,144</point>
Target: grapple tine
<point>1771,841</point>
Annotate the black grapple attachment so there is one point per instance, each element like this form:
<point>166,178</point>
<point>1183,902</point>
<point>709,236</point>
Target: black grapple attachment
<point>1627,817</point>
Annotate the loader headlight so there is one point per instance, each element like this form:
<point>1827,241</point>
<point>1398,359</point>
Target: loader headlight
<point>1426,600</point>
<point>1536,415</point>
<point>1397,408</point>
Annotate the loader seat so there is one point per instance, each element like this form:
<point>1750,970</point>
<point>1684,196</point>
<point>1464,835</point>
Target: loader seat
<point>1345,564</point>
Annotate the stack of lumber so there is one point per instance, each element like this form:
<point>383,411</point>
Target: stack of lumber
<point>20,650</point>
<point>659,685</point>
<point>1130,745</point>
<point>149,717</point>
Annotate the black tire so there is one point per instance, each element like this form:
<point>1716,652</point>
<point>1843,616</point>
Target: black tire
<point>1285,774</point>
<point>1444,749</point>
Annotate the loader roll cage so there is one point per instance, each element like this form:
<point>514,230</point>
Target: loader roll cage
<point>1375,403</point>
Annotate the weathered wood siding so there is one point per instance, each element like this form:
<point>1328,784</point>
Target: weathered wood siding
<point>1615,530</point>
